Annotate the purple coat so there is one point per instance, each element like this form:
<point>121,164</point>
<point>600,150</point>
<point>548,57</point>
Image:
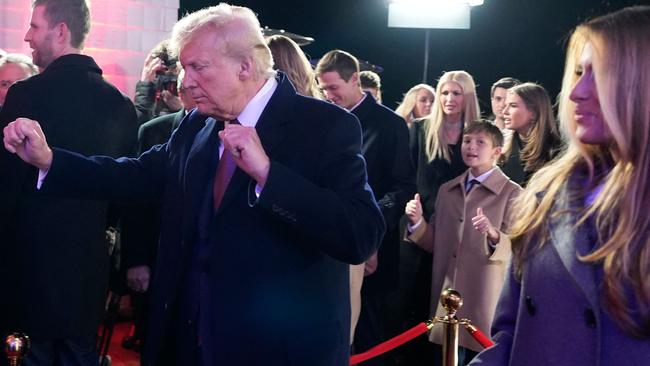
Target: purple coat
<point>554,315</point>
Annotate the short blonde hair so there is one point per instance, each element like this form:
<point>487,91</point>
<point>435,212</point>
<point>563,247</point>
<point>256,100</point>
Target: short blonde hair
<point>239,31</point>
<point>405,109</point>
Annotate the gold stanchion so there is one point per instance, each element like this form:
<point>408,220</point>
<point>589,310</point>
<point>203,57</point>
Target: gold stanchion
<point>16,347</point>
<point>451,300</point>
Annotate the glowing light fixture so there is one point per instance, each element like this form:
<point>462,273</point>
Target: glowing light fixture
<point>430,14</point>
<point>447,14</point>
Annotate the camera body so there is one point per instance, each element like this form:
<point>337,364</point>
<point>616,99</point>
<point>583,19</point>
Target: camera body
<point>167,78</point>
<point>166,81</point>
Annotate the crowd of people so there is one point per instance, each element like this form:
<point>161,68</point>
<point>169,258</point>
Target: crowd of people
<point>271,213</point>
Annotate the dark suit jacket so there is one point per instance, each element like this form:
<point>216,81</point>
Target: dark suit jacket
<point>158,130</point>
<point>54,249</point>
<point>276,276</point>
<point>391,177</point>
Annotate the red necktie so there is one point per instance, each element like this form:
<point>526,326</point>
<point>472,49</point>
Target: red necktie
<point>224,172</point>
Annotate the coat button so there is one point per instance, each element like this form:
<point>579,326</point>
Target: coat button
<point>590,318</point>
<point>460,219</point>
<point>530,306</point>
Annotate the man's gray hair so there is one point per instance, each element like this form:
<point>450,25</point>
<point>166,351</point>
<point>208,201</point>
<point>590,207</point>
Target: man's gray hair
<point>19,59</point>
<point>239,33</point>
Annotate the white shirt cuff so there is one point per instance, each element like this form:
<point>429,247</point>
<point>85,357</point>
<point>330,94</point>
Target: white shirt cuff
<point>41,177</point>
<point>411,228</point>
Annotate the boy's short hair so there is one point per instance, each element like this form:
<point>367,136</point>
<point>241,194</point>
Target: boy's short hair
<point>488,128</point>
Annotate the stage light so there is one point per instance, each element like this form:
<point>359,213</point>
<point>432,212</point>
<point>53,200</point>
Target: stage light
<point>430,14</point>
<point>447,14</point>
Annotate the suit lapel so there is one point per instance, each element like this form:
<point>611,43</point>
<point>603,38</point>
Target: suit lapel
<point>201,161</point>
<point>570,242</point>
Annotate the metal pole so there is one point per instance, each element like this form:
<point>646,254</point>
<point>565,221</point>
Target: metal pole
<point>426,56</point>
<point>451,301</point>
<point>450,342</point>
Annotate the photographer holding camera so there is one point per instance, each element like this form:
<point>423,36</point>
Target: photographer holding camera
<point>155,93</point>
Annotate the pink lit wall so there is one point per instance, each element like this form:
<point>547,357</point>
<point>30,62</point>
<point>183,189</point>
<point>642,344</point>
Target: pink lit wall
<point>121,34</point>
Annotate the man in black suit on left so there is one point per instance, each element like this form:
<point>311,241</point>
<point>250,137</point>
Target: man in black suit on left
<point>53,254</point>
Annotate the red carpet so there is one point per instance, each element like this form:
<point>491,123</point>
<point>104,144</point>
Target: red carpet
<point>121,356</point>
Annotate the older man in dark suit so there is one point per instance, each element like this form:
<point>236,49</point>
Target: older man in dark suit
<point>260,217</point>
<point>53,253</point>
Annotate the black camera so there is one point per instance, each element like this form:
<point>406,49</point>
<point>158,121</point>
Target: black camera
<point>167,81</point>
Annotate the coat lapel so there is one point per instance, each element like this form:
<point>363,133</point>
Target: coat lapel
<point>201,161</point>
<point>570,242</point>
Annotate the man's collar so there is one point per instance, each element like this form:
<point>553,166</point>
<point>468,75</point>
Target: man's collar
<point>363,97</point>
<point>253,110</point>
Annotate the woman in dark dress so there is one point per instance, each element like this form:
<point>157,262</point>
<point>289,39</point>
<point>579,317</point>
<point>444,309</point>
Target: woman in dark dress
<point>435,149</point>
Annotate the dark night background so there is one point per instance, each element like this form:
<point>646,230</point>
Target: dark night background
<point>519,38</point>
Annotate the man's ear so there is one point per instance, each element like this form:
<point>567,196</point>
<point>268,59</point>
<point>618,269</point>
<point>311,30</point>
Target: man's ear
<point>354,78</point>
<point>62,33</point>
<point>246,68</point>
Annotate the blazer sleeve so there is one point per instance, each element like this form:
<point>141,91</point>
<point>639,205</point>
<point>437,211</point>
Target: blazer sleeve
<point>504,324</point>
<point>337,211</point>
<point>102,177</point>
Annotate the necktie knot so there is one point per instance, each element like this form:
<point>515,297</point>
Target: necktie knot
<point>471,184</point>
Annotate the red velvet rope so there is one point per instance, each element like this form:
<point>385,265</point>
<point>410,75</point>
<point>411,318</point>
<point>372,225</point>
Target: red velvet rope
<point>389,344</point>
<point>481,338</point>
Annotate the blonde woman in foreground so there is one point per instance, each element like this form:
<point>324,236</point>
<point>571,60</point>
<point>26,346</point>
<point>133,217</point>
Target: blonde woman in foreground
<point>578,292</point>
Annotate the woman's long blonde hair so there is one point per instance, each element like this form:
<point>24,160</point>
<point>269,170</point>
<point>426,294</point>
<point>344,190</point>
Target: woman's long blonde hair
<point>407,107</point>
<point>543,136</point>
<point>435,144</point>
<point>620,65</point>
<point>289,58</point>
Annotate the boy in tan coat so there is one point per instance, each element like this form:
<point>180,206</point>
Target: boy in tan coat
<point>467,234</point>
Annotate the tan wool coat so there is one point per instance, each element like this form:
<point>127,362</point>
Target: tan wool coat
<point>462,257</point>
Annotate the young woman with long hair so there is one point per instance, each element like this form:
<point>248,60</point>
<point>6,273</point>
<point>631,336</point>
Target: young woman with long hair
<point>578,292</point>
<point>535,139</point>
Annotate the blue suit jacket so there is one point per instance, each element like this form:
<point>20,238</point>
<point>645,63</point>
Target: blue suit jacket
<point>276,272</point>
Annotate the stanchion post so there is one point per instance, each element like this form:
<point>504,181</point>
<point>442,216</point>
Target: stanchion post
<point>16,347</point>
<point>451,301</point>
